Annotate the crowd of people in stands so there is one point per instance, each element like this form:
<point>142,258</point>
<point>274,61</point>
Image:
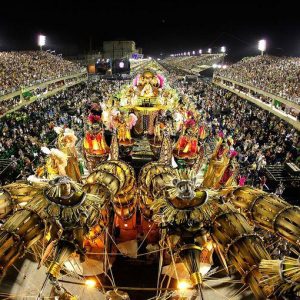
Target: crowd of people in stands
<point>191,63</point>
<point>260,138</point>
<point>277,75</point>
<point>24,132</point>
<point>22,69</point>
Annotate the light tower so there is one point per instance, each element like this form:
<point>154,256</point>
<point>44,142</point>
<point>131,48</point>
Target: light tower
<point>262,46</point>
<point>41,41</point>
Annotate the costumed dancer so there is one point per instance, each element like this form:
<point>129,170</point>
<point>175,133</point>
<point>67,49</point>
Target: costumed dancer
<point>95,148</point>
<point>123,123</point>
<point>55,164</point>
<point>218,163</point>
<point>67,144</point>
<point>187,144</point>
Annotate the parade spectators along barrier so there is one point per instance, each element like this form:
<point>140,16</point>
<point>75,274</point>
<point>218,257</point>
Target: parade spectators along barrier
<point>283,108</point>
<point>24,96</point>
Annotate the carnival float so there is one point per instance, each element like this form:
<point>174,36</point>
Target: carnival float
<point>193,219</point>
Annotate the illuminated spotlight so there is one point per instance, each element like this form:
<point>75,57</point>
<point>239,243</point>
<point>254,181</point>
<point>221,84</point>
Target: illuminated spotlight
<point>158,59</point>
<point>209,50</point>
<point>262,46</point>
<point>214,66</point>
<point>90,283</point>
<point>194,52</point>
<point>224,66</point>
<point>183,285</point>
<point>149,57</point>
<point>189,53</point>
<point>200,51</point>
<point>41,40</point>
<point>121,64</point>
<point>223,49</point>
<point>184,53</point>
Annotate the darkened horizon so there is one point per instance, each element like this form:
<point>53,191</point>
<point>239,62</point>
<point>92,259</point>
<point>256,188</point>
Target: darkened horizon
<point>163,28</point>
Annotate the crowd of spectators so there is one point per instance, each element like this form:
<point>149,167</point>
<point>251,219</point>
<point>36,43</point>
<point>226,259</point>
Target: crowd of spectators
<point>23,69</point>
<point>279,76</point>
<point>24,132</point>
<point>260,138</point>
<point>191,63</point>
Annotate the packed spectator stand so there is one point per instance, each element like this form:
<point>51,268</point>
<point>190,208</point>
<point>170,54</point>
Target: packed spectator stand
<point>277,75</point>
<point>191,64</point>
<point>30,67</point>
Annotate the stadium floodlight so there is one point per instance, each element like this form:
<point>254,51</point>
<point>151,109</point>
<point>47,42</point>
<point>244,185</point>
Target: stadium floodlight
<point>262,46</point>
<point>41,41</point>
<point>200,51</point>
<point>209,50</point>
<point>223,49</point>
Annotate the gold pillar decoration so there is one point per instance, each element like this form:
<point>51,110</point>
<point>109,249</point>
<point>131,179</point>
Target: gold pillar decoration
<point>19,232</point>
<point>268,211</point>
<point>242,248</point>
<point>283,275</point>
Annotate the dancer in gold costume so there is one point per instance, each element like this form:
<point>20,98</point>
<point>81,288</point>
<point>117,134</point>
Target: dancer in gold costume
<point>66,143</point>
<point>218,164</point>
<point>55,165</point>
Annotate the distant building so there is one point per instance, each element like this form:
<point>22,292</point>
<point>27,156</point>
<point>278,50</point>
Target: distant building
<point>119,49</point>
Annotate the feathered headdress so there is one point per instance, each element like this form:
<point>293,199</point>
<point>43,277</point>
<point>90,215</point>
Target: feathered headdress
<point>94,119</point>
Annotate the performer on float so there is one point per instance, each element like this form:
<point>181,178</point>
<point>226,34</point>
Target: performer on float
<point>229,174</point>
<point>94,145</point>
<point>163,122</point>
<point>67,144</point>
<point>94,141</point>
<point>218,163</point>
<point>187,145</point>
<point>123,123</point>
<point>55,164</point>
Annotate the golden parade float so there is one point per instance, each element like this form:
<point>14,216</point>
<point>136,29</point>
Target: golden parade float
<point>193,221</point>
<point>145,98</point>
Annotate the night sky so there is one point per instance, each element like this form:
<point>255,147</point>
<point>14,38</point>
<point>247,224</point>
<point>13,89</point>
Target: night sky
<point>157,26</point>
